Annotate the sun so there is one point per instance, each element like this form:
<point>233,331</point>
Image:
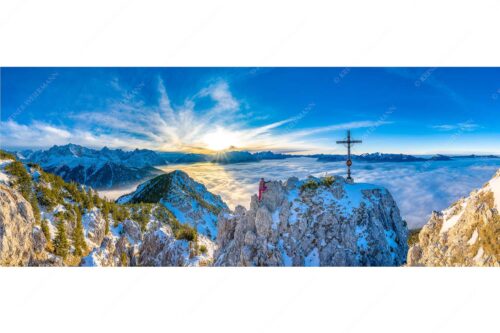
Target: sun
<point>220,139</point>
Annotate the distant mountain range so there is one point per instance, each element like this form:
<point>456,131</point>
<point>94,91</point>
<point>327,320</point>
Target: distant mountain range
<point>103,168</point>
<point>108,168</point>
<point>381,157</point>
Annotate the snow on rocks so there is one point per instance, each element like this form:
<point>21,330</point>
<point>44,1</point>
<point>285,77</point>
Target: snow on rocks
<point>5,178</point>
<point>188,200</point>
<point>103,168</point>
<point>126,245</point>
<point>466,234</point>
<point>94,226</point>
<point>314,222</point>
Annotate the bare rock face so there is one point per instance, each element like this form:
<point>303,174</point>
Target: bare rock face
<point>132,230</point>
<point>314,222</point>
<point>39,240</point>
<point>160,248</point>
<point>16,228</point>
<point>465,234</point>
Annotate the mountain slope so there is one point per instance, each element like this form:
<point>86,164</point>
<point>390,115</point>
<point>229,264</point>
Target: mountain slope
<point>187,199</point>
<point>314,222</point>
<point>465,234</point>
<point>45,221</point>
<point>103,168</point>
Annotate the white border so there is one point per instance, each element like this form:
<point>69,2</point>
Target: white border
<point>257,33</point>
<point>249,299</point>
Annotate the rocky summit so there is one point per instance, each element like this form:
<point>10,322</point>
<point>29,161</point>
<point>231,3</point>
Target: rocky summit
<point>465,234</point>
<point>314,222</point>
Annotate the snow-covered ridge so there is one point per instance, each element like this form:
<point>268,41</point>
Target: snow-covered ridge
<point>188,200</point>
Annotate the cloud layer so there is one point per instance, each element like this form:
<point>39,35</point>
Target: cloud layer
<point>418,188</point>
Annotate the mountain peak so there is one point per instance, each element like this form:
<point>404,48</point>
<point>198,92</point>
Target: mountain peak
<point>187,199</point>
<point>98,168</point>
<point>314,222</point>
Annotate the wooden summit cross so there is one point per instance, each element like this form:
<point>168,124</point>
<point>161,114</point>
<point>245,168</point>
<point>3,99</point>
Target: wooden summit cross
<point>349,143</point>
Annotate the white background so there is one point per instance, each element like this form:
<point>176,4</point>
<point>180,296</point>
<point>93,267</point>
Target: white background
<point>257,33</point>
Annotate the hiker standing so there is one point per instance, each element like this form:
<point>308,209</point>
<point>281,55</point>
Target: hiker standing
<point>262,188</point>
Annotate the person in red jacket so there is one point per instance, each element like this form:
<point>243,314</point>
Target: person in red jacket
<point>262,187</point>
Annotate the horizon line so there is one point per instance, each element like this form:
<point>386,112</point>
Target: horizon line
<point>253,151</point>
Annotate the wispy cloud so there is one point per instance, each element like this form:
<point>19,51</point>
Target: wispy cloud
<point>131,123</point>
<point>463,127</point>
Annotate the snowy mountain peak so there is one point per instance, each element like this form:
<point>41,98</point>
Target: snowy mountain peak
<point>187,199</point>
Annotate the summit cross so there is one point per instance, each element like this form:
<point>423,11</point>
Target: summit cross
<point>349,142</point>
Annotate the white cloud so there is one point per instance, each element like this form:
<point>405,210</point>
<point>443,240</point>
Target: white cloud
<point>462,127</point>
<point>220,93</point>
<point>129,123</point>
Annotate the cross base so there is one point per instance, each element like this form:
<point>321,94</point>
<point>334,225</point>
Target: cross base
<point>349,180</point>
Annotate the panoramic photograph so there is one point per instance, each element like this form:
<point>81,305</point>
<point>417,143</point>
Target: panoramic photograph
<point>250,166</point>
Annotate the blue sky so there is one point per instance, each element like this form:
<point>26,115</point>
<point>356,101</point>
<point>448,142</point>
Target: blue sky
<point>303,110</point>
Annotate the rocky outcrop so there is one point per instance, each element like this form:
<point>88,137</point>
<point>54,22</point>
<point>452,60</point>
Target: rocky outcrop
<point>94,226</point>
<point>127,246</point>
<point>16,228</point>
<point>465,234</point>
<point>160,248</point>
<point>187,199</point>
<point>22,242</point>
<point>314,222</point>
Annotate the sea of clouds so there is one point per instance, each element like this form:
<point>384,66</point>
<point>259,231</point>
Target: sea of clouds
<point>418,187</point>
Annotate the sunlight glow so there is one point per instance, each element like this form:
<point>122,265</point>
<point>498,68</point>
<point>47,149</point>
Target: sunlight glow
<point>221,139</point>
